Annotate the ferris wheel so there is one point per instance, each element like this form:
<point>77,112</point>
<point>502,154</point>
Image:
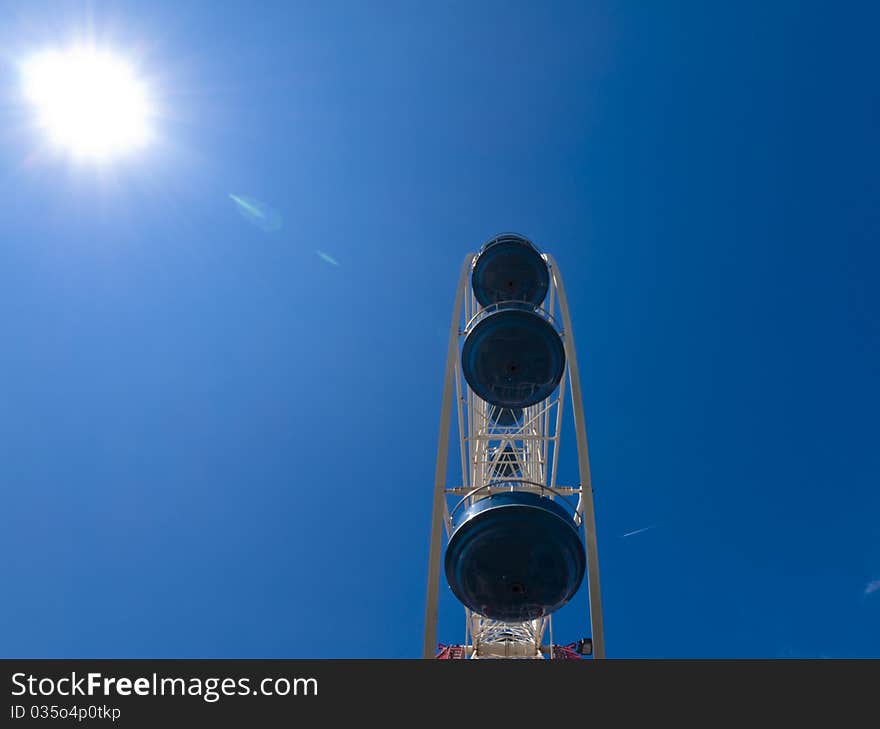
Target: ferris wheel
<point>519,542</point>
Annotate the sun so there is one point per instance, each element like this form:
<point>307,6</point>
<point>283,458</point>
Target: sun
<point>90,102</point>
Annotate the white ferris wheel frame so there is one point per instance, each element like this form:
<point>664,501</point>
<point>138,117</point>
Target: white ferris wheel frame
<point>538,457</point>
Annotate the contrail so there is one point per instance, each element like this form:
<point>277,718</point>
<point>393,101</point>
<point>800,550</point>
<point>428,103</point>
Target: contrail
<point>638,531</point>
<point>329,259</point>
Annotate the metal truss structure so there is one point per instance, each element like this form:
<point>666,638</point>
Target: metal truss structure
<point>496,457</point>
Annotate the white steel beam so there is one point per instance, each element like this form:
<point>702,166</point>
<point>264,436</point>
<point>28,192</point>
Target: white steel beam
<point>440,506</point>
<point>586,501</point>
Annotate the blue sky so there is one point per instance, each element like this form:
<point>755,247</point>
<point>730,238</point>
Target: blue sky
<point>214,442</point>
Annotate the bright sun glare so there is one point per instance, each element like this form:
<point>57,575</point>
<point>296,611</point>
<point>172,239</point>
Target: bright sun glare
<point>89,102</point>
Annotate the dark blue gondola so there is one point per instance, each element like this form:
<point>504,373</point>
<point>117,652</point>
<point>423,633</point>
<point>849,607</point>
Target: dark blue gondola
<point>509,268</point>
<point>515,556</point>
<point>513,358</point>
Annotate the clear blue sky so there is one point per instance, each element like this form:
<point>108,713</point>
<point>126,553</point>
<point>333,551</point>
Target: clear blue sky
<point>216,443</point>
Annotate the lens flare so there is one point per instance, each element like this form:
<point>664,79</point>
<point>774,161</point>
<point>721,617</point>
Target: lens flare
<point>257,213</point>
